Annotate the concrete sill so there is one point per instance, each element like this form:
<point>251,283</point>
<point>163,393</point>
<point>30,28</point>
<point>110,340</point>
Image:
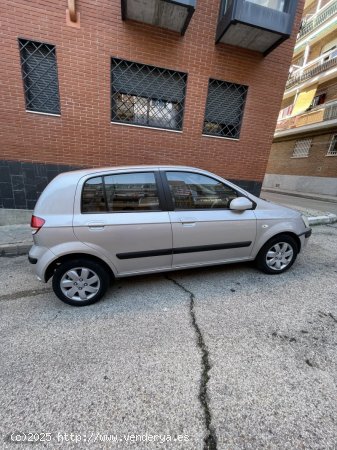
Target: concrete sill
<point>220,137</point>
<point>43,113</point>
<point>144,126</point>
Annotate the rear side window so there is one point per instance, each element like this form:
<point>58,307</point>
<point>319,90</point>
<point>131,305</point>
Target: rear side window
<point>196,191</point>
<point>131,192</point>
<point>121,193</point>
<point>93,199</point>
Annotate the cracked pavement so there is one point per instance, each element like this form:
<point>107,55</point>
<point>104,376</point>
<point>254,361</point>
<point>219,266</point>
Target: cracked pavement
<point>230,357</point>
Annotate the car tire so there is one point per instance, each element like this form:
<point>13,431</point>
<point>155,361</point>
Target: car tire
<point>80,282</point>
<point>277,255</point>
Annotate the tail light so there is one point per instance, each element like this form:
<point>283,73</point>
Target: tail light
<point>36,223</point>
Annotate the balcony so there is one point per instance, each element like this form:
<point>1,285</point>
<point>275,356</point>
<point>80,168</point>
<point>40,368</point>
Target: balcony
<point>259,25</point>
<point>323,116</point>
<point>330,111</point>
<point>169,14</point>
<point>315,67</point>
<point>318,19</point>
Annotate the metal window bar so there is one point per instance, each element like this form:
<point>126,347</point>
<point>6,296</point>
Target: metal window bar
<point>302,148</point>
<point>147,95</point>
<point>333,147</point>
<point>224,109</point>
<point>40,79</point>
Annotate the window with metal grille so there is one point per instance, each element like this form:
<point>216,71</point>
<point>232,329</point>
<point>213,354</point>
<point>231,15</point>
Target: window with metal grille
<point>302,148</point>
<point>333,147</point>
<point>224,109</point>
<point>39,72</point>
<point>147,95</point>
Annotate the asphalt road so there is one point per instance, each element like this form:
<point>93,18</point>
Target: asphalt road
<point>243,359</point>
<point>299,202</point>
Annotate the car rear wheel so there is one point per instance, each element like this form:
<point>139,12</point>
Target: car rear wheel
<point>277,255</point>
<point>80,282</point>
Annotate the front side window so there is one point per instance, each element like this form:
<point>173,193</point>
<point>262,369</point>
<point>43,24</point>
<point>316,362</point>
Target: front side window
<point>147,95</point>
<point>196,191</point>
<point>39,73</point>
<point>121,192</point>
<point>224,109</point>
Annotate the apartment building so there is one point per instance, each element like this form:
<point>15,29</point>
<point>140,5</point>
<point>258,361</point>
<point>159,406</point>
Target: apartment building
<point>304,151</point>
<point>88,84</point>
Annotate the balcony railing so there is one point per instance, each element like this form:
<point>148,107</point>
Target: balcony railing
<point>330,111</point>
<point>315,67</point>
<point>317,20</point>
<point>320,114</point>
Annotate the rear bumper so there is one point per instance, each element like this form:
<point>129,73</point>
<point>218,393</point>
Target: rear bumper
<point>41,257</point>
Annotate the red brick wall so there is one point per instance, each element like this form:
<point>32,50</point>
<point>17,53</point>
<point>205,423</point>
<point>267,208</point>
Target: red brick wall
<point>317,164</point>
<point>83,135</point>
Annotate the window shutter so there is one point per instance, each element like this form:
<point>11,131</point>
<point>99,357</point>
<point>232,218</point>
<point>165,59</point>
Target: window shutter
<point>147,81</point>
<point>224,108</point>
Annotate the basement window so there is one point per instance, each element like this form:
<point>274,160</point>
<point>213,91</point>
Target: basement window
<point>224,109</point>
<point>333,147</point>
<point>39,73</point>
<point>302,148</point>
<point>147,95</point>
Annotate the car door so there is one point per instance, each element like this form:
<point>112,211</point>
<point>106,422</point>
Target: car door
<point>205,230</point>
<point>121,216</point>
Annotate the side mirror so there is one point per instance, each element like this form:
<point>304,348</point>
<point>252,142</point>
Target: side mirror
<point>241,204</point>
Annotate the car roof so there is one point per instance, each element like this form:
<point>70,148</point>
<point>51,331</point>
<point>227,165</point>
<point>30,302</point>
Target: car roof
<point>96,170</point>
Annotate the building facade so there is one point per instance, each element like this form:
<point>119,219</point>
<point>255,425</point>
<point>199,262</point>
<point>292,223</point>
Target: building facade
<point>89,84</point>
<point>304,152</point>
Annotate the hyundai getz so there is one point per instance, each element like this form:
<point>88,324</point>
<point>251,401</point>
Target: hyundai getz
<point>91,226</point>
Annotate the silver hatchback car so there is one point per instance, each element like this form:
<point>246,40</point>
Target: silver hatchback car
<point>91,226</point>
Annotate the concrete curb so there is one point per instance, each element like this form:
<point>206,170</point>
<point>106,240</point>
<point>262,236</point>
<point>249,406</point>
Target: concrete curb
<point>322,220</point>
<point>22,248</point>
<point>328,199</point>
<point>19,249</point>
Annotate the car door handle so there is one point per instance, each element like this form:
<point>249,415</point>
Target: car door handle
<point>96,225</point>
<point>187,221</point>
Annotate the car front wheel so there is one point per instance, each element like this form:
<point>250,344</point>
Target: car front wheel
<point>80,282</point>
<point>277,255</point>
